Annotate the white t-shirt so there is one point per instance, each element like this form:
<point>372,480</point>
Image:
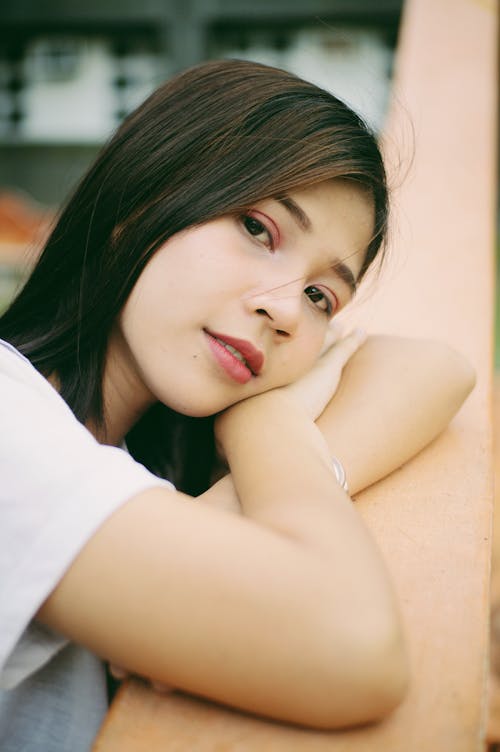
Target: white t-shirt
<point>57,486</point>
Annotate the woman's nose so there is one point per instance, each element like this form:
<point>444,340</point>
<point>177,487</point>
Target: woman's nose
<point>282,305</point>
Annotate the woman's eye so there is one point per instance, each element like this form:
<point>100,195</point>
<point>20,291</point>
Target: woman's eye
<point>320,300</point>
<point>258,230</point>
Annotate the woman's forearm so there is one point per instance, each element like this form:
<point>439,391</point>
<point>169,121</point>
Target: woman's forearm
<point>282,472</point>
<point>281,468</point>
<point>396,395</point>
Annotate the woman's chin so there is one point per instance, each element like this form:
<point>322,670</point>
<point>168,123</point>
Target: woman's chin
<point>198,408</point>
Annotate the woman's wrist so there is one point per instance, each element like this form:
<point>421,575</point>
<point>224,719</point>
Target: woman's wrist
<point>269,439</point>
<point>256,409</point>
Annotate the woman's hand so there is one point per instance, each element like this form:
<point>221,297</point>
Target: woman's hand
<point>315,389</point>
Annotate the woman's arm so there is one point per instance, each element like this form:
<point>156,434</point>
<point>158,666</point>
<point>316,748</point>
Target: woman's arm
<point>286,611</point>
<point>395,396</point>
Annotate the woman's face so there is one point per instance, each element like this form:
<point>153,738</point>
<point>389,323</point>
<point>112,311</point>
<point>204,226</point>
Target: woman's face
<point>239,305</point>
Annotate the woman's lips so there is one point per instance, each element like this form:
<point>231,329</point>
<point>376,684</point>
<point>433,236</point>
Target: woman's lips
<point>238,369</point>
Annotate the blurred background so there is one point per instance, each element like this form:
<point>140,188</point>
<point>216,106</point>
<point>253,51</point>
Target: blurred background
<point>71,70</point>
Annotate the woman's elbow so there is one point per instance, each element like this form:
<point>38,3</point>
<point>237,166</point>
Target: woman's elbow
<point>461,374</point>
<point>385,679</point>
<point>375,678</point>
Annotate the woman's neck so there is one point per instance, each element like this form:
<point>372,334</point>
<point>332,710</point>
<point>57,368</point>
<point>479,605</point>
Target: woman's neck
<point>124,402</point>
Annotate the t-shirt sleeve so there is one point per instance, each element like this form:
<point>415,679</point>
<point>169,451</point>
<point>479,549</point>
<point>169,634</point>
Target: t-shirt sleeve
<point>57,486</point>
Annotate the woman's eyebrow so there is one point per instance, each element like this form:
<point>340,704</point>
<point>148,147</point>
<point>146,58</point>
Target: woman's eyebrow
<point>297,213</point>
<point>338,267</point>
<point>345,274</point>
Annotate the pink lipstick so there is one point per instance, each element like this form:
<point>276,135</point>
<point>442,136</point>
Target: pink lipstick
<point>238,357</point>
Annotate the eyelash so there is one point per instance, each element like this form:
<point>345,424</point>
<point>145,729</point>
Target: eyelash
<point>247,220</point>
<point>313,290</point>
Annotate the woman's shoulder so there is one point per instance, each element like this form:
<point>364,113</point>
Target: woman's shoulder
<point>13,362</point>
<point>24,389</point>
<point>58,487</point>
<point>16,367</point>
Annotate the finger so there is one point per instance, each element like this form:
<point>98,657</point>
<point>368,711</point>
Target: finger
<point>341,351</point>
<point>354,340</point>
<point>334,334</point>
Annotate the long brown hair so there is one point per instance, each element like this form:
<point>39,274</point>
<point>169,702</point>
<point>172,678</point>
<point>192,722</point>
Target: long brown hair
<point>211,141</point>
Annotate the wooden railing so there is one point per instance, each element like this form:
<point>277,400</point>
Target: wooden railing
<point>433,518</point>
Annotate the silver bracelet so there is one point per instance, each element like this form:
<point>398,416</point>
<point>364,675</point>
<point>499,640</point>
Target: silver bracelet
<point>340,475</point>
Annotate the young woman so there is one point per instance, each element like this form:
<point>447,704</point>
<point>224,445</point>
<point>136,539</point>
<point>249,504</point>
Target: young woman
<point>177,330</point>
